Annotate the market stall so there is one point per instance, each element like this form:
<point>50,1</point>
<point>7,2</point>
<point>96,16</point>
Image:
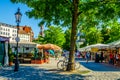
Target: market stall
<point>45,51</point>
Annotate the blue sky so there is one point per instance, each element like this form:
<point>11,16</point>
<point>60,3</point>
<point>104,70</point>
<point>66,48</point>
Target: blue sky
<point>7,11</point>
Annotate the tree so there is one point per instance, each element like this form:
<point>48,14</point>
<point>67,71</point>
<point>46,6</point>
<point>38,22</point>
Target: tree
<point>114,31</point>
<point>105,33</point>
<point>66,45</point>
<point>54,35</point>
<point>39,40</point>
<point>73,12</point>
<point>93,36</point>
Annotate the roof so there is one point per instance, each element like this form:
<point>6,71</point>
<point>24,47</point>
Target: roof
<point>25,30</point>
<point>22,32</point>
<point>8,25</point>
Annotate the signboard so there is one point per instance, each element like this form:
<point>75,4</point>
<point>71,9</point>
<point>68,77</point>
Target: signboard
<point>4,38</point>
<point>17,39</point>
<point>94,49</point>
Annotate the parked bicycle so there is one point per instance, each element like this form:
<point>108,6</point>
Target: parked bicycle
<point>62,64</point>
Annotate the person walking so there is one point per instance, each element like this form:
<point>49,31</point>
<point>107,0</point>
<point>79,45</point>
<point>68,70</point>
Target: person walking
<point>87,56</point>
<point>101,57</point>
<point>111,58</point>
<point>97,58</point>
<point>116,59</point>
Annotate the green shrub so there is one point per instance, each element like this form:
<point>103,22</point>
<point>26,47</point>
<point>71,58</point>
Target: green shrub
<point>11,55</point>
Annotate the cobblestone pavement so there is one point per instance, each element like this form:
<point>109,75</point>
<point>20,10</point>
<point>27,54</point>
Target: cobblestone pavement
<point>50,72</point>
<point>36,73</point>
<point>103,76</point>
<point>101,71</point>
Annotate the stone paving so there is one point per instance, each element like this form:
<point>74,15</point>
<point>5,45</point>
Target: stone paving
<point>50,72</point>
<point>101,71</point>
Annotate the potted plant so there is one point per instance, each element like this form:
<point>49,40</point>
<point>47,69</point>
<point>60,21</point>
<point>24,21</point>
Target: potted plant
<point>37,58</point>
<point>11,57</point>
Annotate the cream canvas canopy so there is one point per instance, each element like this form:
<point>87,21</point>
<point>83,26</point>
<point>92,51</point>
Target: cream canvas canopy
<point>99,46</point>
<point>115,44</point>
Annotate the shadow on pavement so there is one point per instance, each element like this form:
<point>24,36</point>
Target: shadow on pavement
<point>35,73</point>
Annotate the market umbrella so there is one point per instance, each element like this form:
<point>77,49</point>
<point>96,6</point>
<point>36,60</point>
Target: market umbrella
<point>117,44</point>
<point>100,46</point>
<point>48,47</point>
<point>55,47</point>
<point>51,52</point>
<point>40,46</point>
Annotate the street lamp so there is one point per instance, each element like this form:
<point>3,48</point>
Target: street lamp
<point>18,16</point>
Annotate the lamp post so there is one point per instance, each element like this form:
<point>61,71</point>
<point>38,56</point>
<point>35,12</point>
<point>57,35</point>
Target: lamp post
<point>18,16</point>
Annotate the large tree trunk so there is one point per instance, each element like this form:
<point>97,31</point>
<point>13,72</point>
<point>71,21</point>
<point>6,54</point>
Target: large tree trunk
<point>71,61</point>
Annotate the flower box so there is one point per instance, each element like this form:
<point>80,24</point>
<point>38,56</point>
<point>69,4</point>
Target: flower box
<point>37,61</point>
<point>46,60</point>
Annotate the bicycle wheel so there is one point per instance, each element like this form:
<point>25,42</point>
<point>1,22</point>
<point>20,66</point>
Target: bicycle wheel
<point>77,65</point>
<point>60,64</point>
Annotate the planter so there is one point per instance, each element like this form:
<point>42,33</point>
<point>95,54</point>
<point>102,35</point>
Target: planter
<point>37,61</point>
<point>33,61</point>
<point>10,63</point>
<point>46,60</point>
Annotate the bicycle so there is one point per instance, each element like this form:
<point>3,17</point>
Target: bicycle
<point>62,64</point>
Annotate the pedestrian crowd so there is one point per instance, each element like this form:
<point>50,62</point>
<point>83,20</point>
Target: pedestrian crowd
<point>111,57</point>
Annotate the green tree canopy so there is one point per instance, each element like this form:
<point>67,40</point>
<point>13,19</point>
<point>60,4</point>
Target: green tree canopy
<point>54,35</point>
<point>93,36</point>
<point>114,31</point>
<point>66,45</point>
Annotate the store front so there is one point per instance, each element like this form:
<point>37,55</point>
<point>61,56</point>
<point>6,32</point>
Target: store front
<point>4,49</point>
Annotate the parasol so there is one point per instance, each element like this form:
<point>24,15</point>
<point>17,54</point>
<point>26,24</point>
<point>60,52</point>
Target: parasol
<point>51,52</point>
<point>48,47</point>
